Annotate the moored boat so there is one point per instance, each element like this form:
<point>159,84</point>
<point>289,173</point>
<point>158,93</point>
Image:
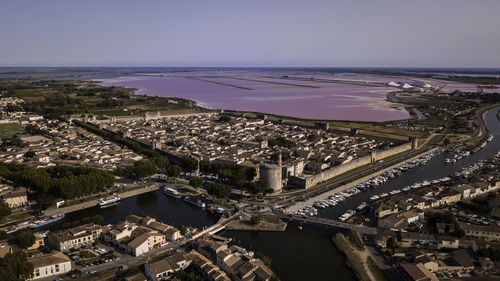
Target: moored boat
<point>110,201</point>
<point>172,192</point>
<point>46,221</point>
<point>195,201</point>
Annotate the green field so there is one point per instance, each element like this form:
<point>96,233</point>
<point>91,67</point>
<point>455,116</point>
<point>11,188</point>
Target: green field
<point>10,129</point>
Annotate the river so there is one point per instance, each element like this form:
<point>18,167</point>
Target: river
<point>306,254</point>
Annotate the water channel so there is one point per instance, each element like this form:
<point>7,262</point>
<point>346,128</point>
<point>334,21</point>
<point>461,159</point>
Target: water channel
<point>434,169</point>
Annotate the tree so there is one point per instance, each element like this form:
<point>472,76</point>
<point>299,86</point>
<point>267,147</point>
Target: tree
<point>183,229</point>
<point>174,171</point>
<point>189,164</point>
<point>160,162</point>
<point>24,238</point>
<point>224,118</point>
<point>4,210</point>
<point>257,187</point>
<point>29,154</point>
<point>3,235</point>
<point>11,92</point>
<point>219,190</point>
<point>195,182</point>
<point>16,267</point>
<point>86,220</point>
<point>46,200</point>
<point>144,168</point>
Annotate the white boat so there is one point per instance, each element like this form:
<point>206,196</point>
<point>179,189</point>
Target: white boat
<point>319,205</point>
<point>46,220</point>
<point>220,210</point>
<point>361,206</point>
<point>374,197</point>
<point>395,191</point>
<point>195,201</point>
<point>490,138</point>
<point>110,201</point>
<point>382,195</point>
<point>172,192</point>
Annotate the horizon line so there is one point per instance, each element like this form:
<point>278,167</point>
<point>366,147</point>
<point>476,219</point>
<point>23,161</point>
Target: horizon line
<point>249,67</point>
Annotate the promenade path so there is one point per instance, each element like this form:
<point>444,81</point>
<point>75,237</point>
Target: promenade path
<point>92,203</point>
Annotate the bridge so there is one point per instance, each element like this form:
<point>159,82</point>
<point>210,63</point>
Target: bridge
<point>362,229</point>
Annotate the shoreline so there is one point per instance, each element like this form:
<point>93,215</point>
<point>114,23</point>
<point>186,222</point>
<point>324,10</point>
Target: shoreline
<point>94,202</point>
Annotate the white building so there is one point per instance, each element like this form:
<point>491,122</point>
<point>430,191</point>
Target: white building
<point>50,265</point>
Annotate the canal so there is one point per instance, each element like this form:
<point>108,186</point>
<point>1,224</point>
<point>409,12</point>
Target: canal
<point>306,254</point>
<point>434,169</point>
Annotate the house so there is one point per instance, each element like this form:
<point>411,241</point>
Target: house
<point>487,232</point>
<point>409,239</point>
<point>170,232</point>
<point>447,242</point>
<point>143,243</point>
<point>400,220</point>
<point>429,263</point>
<point>119,231</point>
<point>393,221</point>
<point>460,260</point>
<point>50,265</point>
<point>75,237</point>
<point>384,209</point>
<point>15,198</point>
<point>162,269</point>
<point>207,269</point>
<point>417,272</point>
<point>464,190</point>
<point>209,248</point>
<point>173,234</point>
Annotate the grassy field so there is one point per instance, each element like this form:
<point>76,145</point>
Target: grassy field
<point>10,129</point>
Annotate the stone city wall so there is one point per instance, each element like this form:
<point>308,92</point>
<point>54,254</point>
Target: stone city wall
<point>312,180</point>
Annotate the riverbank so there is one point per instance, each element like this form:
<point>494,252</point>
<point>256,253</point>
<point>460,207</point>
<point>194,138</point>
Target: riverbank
<point>264,223</point>
<point>94,202</point>
<point>358,259</point>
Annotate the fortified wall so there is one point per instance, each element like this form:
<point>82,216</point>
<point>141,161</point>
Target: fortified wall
<point>307,181</point>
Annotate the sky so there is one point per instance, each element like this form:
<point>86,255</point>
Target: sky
<point>326,33</point>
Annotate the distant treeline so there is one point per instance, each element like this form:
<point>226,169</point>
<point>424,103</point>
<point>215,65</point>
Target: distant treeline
<point>486,80</point>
